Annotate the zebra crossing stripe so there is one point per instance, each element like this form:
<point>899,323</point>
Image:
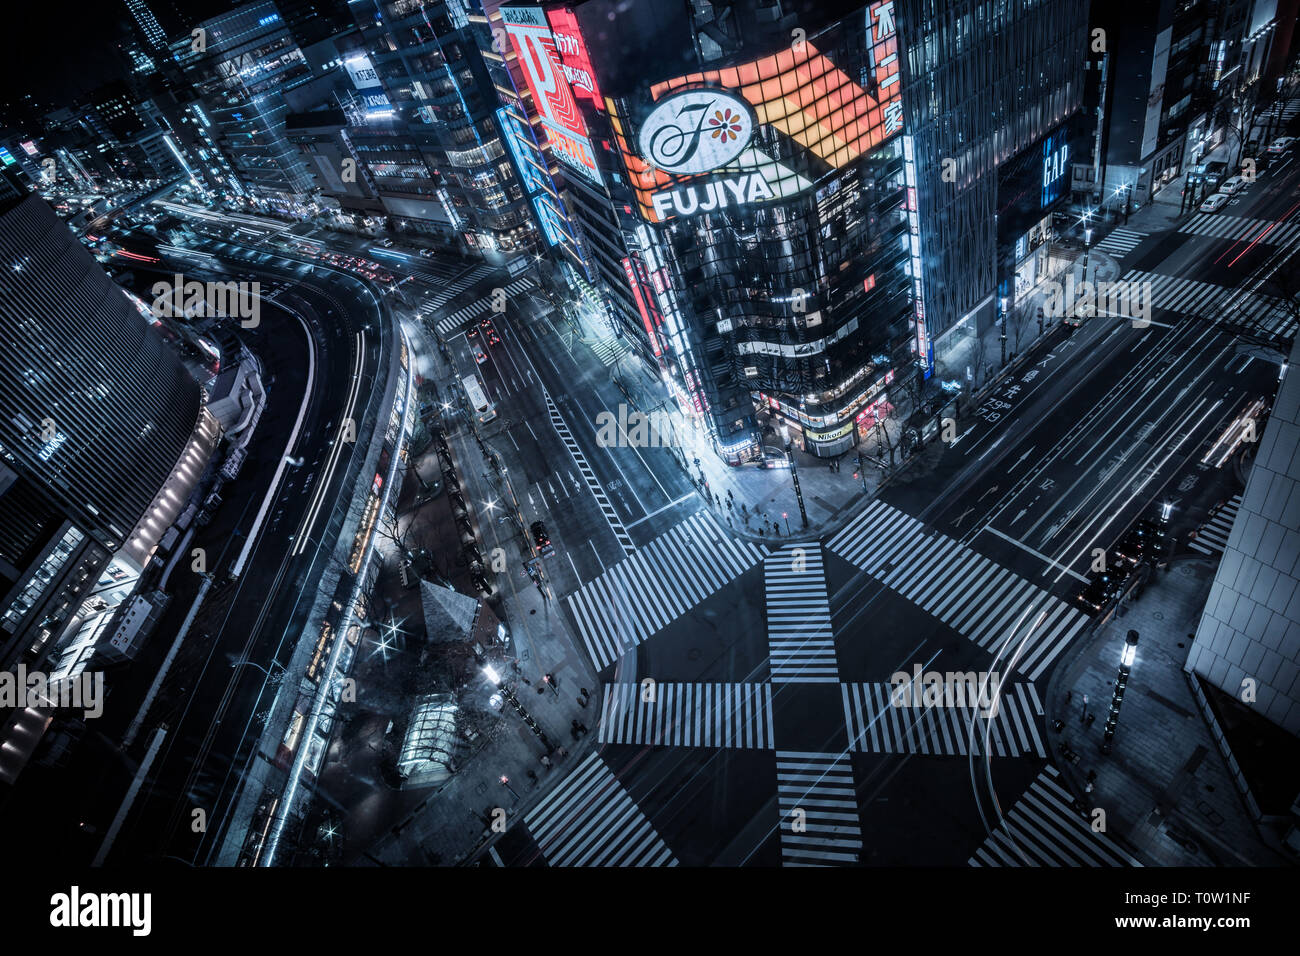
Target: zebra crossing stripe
<point>1044,829</point>
<point>610,350</point>
<point>606,508</point>
<point>590,820</point>
<point>877,726</point>
<point>1121,241</point>
<point>969,592</point>
<point>453,322</point>
<point>1239,228</point>
<point>819,809</point>
<point>688,715</point>
<point>1212,538</point>
<point>1212,302</point>
<point>801,648</point>
<point>656,584</point>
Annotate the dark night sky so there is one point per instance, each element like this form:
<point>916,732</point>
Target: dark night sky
<point>56,50</point>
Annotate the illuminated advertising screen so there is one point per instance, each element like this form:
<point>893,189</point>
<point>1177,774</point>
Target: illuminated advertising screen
<point>574,59</point>
<point>697,149</point>
<point>534,47</point>
<point>535,179</point>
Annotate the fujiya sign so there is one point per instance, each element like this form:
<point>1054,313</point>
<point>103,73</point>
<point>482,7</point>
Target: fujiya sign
<point>698,131</point>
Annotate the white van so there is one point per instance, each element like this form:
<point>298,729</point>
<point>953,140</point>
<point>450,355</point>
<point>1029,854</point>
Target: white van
<point>1214,203</point>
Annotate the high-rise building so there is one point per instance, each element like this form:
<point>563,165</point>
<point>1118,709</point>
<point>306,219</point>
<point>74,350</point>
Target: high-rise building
<point>241,65</point>
<point>991,93</point>
<point>102,430</point>
<point>1248,642</point>
<point>431,137</point>
<point>859,180</point>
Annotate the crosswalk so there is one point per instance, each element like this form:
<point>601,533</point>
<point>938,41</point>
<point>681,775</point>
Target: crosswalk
<point>819,809</point>
<point>1212,538</point>
<point>610,350</point>
<point>1205,300</point>
<point>590,820</point>
<point>984,602</point>
<point>800,646</point>
<point>432,303</point>
<point>688,715</point>
<point>1121,242</point>
<point>877,726</point>
<point>1044,829</point>
<point>656,584</point>
<point>1236,228</point>
<point>452,323</point>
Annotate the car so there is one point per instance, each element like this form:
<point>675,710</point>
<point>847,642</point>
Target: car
<point>1233,186</point>
<point>1281,145</point>
<point>472,333</point>
<point>386,243</point>
<point>479,355</point>
<point>490,332</point>
<point>427,253</point>
<point>541,538</point>
<point>1102,589</point>
<point>1144,541</point>
<point>1214,203</point>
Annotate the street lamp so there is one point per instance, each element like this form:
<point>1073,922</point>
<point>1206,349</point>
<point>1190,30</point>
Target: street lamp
<point>1127,656</point>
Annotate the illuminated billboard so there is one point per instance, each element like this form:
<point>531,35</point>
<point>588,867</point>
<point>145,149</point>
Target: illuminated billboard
<point>574,59</point>
<point>536,179</point>
<point>694,150</point>
<point>566,133</point>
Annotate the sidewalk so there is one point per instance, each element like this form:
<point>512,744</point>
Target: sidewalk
<point>1165,789</point>
<point>446,824</point>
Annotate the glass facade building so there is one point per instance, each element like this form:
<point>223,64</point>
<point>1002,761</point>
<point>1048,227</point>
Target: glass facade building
<point>96,416</point>
<point>771,246</point>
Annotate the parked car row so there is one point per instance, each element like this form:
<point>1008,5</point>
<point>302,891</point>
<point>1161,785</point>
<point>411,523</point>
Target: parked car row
<point>1235,184</point>
<point>1142,543</point>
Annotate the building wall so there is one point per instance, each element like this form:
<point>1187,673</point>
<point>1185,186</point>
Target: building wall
<point>1251,625</point>
<point>981,82</point>
<point>94,408</point>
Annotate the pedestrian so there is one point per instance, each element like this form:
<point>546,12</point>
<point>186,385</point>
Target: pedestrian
<point>1087,787</point>
<point>561,752</point>
<point>532,775</point>
<point>546,761</point>
<point>582,702</point>
<point>582,728</point>
<point>585,693</point>
<point>1083,718</point>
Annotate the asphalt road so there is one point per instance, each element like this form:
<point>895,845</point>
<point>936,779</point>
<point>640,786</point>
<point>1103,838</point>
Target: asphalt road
<point>969,562</point>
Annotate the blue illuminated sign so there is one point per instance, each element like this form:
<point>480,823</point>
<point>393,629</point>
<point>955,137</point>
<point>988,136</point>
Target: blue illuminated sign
<point>268,19</point>
<point>1056,163</point>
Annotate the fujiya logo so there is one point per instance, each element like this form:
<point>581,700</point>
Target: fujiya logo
<point>74,908</point>
<point>696,131</point>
